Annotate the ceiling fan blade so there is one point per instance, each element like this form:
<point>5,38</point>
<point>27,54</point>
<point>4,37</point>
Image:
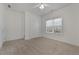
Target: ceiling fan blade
<point>37,5</point>
<point>45,4</point>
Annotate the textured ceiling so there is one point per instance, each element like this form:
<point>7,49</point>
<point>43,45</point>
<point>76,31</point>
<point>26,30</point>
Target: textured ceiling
<point>31,7</point>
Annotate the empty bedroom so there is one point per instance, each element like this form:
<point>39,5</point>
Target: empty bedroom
<point>39,28</point>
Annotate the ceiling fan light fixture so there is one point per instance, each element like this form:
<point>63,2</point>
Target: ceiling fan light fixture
<point>41,6</point>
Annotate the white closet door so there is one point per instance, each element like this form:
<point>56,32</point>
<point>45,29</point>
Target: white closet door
<point>14,25</point>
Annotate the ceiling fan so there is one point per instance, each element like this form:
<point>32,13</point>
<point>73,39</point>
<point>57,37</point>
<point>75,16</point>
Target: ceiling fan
<point>41,6</point>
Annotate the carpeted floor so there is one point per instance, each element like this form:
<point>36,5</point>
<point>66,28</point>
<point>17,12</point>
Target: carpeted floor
<point>38,46</point>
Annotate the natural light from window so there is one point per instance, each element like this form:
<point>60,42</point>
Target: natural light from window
<point>54,25</point>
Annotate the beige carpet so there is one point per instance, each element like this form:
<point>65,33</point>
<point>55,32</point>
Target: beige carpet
<point>38,46</point>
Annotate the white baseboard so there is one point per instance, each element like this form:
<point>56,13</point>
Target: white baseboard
<point>33,36</point>
<point>1,44</point>
<point>63,40</point>
<point>14,39</point>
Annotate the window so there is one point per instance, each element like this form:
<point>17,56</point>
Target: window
<point>54,25</point>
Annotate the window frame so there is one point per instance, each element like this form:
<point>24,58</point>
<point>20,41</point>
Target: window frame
<point>54,27</point>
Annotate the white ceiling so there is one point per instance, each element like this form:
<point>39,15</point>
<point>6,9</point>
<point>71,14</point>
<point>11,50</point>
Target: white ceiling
<point>31,7</point>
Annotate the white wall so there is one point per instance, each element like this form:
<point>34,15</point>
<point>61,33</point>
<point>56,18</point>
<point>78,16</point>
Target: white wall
<point>14,24</point>
<point>2,24</point>
<point>22,24</point>
<point>32,25</point>
<point>70,17</point>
